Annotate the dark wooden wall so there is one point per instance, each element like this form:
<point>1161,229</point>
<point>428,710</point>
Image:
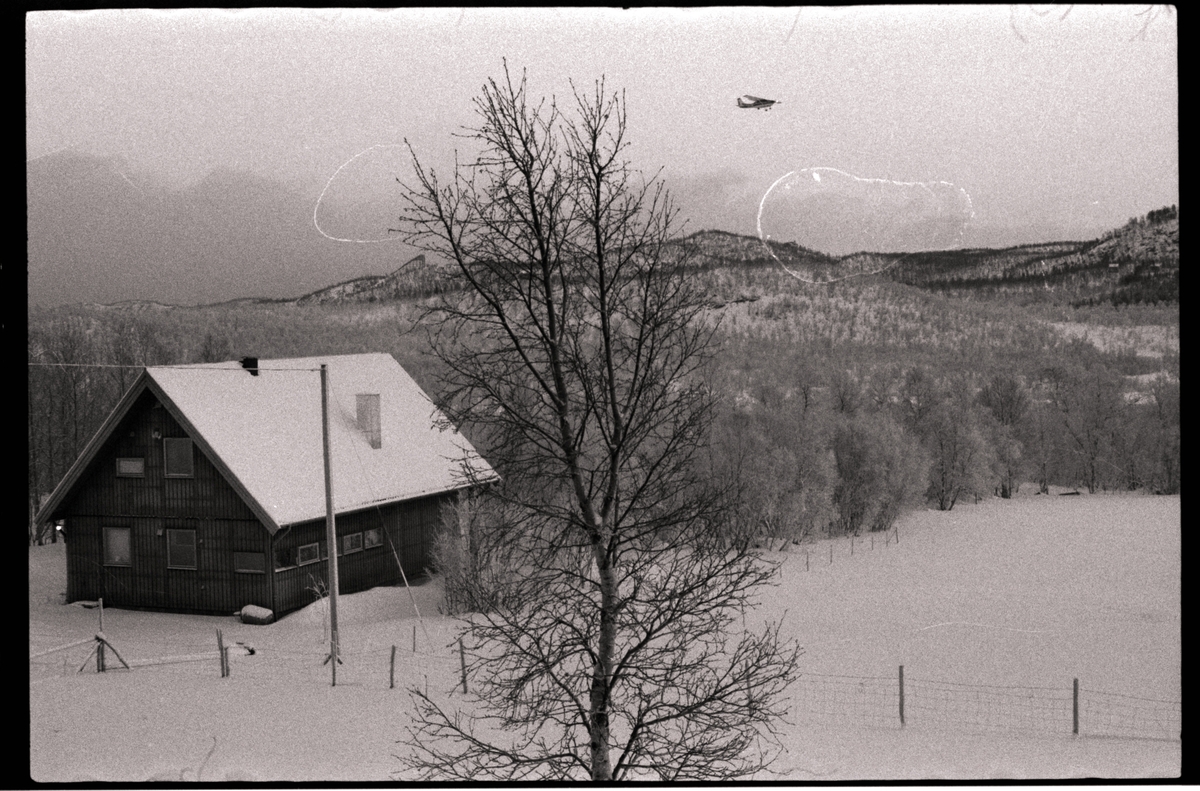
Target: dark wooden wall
<point>149,505</point>
<point>408,528</point>
<point>212,587</point>
<point>224,524</point>
<point>100,492</point>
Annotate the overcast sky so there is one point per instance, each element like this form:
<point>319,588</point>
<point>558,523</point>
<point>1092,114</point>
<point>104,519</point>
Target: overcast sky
<point>1065,114</point>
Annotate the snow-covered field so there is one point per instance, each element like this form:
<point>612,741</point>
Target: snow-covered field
<point>1022,596</point>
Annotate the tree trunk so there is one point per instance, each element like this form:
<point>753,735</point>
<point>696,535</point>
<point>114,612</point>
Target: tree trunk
<point>602,674</point>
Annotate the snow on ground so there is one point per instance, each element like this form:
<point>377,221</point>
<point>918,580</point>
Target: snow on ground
<point>1029,593</point>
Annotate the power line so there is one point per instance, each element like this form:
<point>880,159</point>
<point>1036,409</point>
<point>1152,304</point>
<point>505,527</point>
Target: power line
<point>177,366</point>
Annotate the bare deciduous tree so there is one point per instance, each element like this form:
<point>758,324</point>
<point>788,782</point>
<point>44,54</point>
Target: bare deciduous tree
<point>881,468</point>
<point>1090,403</point>
<point>574,355</point>
<point>1008,401</point>
<point>1166,444</point>
<point>962,458</point>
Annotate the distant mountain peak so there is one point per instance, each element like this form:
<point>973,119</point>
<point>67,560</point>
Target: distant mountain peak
<point>372,288</point>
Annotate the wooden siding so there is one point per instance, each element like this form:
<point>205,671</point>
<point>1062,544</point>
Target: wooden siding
<point>100,491</point>
<point>151,504</point>
<point>211,587</point>
<point>408,528</point>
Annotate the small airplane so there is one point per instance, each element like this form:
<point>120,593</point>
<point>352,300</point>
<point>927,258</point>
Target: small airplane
<point>749,102</point>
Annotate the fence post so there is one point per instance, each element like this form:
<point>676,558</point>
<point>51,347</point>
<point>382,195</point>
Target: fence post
<point>100,644</point>
<point>225,656</point>
<point>1075,709</point>
<point>414,638</point>
<point>462,656</point>
<point>851,546</point>
<point>902,696</point>
<point>831,553</point>
<point>806,560</point>
<point>221,652</point>
<point>392,670</point>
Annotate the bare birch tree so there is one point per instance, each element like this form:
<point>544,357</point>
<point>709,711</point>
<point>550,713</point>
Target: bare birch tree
<point>574,351</point>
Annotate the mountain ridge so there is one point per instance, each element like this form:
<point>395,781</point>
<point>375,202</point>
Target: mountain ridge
<point>129,244</point>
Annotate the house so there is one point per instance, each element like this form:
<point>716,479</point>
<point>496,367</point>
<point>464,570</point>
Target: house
<point>204,490</point>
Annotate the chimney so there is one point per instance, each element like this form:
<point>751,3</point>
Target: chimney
<point>251,365</point>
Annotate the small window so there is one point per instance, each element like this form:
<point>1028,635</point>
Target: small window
<point>117,549</point>
<point>178,453</point>
<point>131,468</point>
<point>367,407</point>
<point>372,538</point>
<point>352,543</point>
<point>250,562</point>
<point>181,549</point>
<point>309,553</point>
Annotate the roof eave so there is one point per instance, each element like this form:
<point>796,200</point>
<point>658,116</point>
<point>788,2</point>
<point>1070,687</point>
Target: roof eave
<point>492,478</point>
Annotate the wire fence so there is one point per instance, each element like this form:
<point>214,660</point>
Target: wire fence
<point>979,708</point>
<point>384,666</point>
<point>1113,714</point>
<point>897,702</point>
<point>868,700</point>
<point>888,702</point>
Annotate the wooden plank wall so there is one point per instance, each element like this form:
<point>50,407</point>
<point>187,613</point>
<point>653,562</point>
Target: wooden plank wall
<point>149,505</point>
<point>212,587</point>
<point>409,527</point>
<point>101,492</point>
<point>153,503</point>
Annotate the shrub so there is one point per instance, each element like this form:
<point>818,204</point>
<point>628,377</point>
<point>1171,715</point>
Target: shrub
<point>472,555</point>
<point>880,469</point>
<point>963,460</point>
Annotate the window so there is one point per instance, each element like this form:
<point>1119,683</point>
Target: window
<point>181,549</point>
<point>352,543</point>
<point>117,549</point>
<point>309,553</point>
<point>178,453</point>
<point>250,562</point>
<point>367,406</point>
<point>372,538</point>
<point>131,468</point>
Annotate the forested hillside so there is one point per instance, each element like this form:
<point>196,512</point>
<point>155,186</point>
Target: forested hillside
<point>950,375</point>
<point>1137,263</point>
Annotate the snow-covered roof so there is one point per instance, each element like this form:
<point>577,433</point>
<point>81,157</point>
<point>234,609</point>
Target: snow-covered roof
<point>264,433</point>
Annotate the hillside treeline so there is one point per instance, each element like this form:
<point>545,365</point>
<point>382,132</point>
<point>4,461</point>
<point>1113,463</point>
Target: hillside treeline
<point>821,447</point>
<point>1137,263</point>
<point>846,406</point>
<point>842,405</point>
